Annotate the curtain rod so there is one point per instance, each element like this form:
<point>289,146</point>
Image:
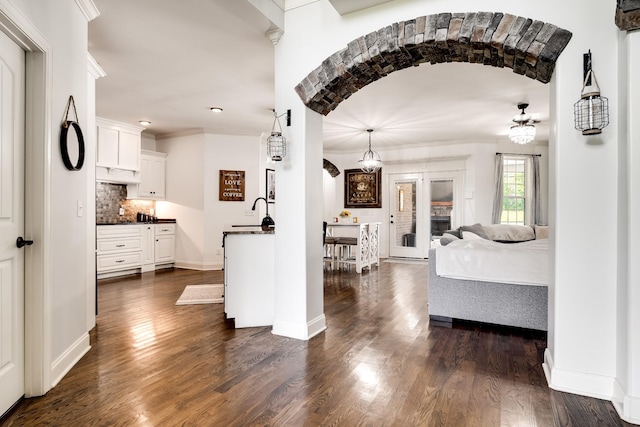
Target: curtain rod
<point>519,154</point>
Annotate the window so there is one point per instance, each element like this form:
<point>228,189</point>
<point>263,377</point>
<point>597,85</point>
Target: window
<point>514,190</point>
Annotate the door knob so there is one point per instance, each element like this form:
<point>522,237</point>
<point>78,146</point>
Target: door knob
<point>20,242</point>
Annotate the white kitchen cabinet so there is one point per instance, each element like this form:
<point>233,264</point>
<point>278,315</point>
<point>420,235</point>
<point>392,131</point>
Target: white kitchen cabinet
<point>118,249</point>
<point>165,245</point>
<point>148,247</point>
<point>152,177</point>
<point>118,145</point>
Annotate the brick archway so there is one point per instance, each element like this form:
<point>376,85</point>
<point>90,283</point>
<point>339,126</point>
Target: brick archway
<point>529,47</point>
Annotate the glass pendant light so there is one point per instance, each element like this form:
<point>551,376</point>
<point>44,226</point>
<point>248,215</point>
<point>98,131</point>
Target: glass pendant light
<point>370,160</point>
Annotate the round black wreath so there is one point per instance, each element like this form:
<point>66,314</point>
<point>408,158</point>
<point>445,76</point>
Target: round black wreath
<point>63,145</point>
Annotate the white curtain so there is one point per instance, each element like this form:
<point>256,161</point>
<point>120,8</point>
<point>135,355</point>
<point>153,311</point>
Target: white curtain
<point>535,199</point>
<point>497,198</point>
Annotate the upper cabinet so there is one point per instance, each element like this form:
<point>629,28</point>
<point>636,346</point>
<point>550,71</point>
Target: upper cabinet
<point>117,151</point>
<point>152,177</point>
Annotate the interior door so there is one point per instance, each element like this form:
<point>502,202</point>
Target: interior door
<point>406,225</point>
<point>12,71</point>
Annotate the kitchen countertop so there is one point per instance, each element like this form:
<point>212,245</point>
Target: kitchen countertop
<point>249,230</point>
<point>159,221</point>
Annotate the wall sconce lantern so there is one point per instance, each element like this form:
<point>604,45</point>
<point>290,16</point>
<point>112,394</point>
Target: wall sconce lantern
<point>276,143</point>
<point>592,110</point>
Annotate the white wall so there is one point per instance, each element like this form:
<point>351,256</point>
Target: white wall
<point>192,177</point>
<point>58,284</point>
<point>583,172</point>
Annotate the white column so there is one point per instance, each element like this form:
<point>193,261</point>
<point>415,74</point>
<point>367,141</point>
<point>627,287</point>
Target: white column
<point>299,304</point>
<point>627,387</point>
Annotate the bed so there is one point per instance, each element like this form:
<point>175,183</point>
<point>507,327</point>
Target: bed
<point>507,285</point>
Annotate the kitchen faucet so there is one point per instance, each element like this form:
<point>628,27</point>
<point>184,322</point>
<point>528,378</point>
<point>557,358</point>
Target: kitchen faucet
<point>267,221</point>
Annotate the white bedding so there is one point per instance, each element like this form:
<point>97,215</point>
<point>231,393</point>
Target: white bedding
<point>524,263</point>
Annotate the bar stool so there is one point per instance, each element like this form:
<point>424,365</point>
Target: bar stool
<point>329,244</point>
<point>354,250</point>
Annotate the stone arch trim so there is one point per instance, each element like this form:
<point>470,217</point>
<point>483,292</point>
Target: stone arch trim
<point>527,46</point>
<point>331,168</point>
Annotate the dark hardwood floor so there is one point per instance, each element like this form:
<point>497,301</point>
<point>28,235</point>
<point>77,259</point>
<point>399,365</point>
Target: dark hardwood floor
<point>379,363</point>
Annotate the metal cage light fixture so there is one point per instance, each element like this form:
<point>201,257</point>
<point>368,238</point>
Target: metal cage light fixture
<point>523,132</point>
<point>591,112</point>
<point>370,161</point>
<point>276,143</point>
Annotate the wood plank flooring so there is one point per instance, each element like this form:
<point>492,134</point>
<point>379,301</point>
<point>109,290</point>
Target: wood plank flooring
<point>379,363</point>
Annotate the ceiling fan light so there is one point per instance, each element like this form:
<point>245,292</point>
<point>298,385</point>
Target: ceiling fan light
<point>522,133</point>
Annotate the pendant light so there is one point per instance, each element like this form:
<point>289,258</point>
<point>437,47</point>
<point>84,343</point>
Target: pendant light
<point>523,132</point>
<point>276,143</point>
<point>591,112</point>
<point>370,160</point>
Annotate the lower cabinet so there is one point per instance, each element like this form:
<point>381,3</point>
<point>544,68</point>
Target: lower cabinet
<point>148,247</point>
<point>118,249</point>
<point>165,244</point>
<point>134,248</point>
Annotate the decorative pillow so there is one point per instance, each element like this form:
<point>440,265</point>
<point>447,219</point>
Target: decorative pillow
<point>455,232</point>
<point>542,231</point>
<point>448,238</point>
<point>468,235</point>
<point>475,229</point>
<point>509,233</point>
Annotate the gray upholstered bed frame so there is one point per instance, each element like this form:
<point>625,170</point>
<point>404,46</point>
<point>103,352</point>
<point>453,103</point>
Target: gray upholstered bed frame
<point>523,306</point>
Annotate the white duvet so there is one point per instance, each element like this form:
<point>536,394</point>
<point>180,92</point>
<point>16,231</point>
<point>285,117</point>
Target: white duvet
<point>524,263</point>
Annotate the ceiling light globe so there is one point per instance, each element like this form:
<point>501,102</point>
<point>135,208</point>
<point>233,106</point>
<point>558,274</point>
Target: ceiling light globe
<point>522,133</point>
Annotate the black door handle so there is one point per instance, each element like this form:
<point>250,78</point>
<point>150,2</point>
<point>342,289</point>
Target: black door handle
<point>21,242</point>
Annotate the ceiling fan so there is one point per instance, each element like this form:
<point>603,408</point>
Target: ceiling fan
<point>524,131</point>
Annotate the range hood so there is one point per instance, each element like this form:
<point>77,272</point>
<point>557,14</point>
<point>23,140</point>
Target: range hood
<point>117,176</point>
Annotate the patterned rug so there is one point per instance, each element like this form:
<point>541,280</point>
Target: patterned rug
<point>201,294</point>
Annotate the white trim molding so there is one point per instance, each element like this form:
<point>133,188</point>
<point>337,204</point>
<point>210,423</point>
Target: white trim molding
<point>69,358</point>
<point>300,331</point>
<point>628,407</point>
<point>89,9</point>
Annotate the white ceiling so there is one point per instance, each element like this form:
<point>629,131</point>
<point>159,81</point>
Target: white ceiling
<point>169,64</point>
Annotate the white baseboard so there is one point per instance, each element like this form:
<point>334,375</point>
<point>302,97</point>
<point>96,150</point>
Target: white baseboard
<point>300,331</point>
<point>69,358</point>
<point>575,382</point>
<point>628,407</point>
<point>190,265</point>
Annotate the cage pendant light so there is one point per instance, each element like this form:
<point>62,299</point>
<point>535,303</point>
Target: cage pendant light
<point>276,143</point>
<point>523,132</point>
<point>591,112</point>
<point>370,160</point>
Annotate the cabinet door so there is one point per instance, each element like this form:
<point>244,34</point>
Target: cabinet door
<point>158,176</point>
<point>145,188</point>
<point>129,151</point>
<point>107,150</point>
<point>148,245</point>
<point>165,248</point>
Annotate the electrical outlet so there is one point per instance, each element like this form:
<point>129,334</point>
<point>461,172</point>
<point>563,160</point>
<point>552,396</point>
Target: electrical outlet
<point>249,212</point>
<point>121,211</point>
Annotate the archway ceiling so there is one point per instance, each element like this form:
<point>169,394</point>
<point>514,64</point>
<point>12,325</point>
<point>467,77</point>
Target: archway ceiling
<point>441,103</point>
<point>161,65</point>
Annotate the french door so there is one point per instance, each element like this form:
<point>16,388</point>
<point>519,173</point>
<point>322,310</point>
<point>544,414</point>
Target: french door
<point>406,218</point>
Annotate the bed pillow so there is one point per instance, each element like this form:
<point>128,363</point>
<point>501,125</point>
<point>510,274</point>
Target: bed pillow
<point>448,238</point>
<point>455,233</point>
<point>509,233</point>
<point>542,231</point>
<point>476,229</point>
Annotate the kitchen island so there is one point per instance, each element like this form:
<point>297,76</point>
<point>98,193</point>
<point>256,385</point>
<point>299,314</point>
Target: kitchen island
<point>249,269</point>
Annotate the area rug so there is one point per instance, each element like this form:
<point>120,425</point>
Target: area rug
<point>201,294</point>
<point>407,261</point>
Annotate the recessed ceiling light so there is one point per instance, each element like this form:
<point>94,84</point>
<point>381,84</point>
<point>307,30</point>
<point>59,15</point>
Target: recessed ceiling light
<point>144,122</point>
<point>216,109</point>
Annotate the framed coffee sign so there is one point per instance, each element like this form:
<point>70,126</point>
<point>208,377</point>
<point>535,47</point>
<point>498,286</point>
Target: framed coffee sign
<point>361,189</point>
<point>231,186</point>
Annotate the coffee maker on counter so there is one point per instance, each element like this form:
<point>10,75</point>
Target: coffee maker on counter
<point>143,217</point>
